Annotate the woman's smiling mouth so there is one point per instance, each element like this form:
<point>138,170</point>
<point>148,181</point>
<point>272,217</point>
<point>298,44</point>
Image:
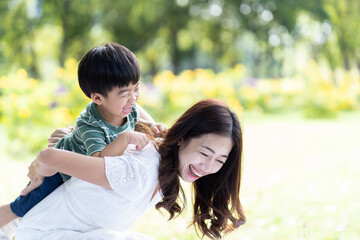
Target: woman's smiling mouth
<point>194,173</point>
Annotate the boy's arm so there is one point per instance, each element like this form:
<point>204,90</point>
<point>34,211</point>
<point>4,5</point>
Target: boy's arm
<point>118,146</point>
<point>158,129</point>
<point>144,116</point>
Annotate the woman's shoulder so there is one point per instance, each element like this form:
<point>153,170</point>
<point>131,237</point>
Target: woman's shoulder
<point>129,172</point>
<point>149,152</point>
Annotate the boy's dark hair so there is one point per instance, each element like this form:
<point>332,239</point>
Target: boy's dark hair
<point>107,66</point>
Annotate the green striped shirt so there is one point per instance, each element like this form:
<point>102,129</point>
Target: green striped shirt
<point>92,133</point>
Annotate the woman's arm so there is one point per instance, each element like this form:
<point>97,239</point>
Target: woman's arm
<point>90,169</point>
<point>51,160</point>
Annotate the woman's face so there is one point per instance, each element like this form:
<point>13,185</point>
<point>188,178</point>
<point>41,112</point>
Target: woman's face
<point>203,156</point>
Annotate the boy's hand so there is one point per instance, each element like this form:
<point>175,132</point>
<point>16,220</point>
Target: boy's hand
<point>158,129</point>
<point>138,139</point>
<point>57,135</point>
<point>36,179</point>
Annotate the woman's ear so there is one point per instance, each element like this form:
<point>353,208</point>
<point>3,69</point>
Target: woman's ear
<point>96,98</point>
<point>180,141</point>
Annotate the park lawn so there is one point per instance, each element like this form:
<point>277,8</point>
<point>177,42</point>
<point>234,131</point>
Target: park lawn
<point>300,181</point>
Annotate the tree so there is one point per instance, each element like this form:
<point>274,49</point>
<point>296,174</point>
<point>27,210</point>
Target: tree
<point>20,24</point>
<point>75,18</point>
<point>344,16</point>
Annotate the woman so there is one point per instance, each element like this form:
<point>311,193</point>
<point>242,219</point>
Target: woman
<point>106,195</point>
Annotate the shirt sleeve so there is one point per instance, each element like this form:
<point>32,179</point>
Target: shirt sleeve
<point>123,175</point>
<point>92,137</point>
<point>135,113</point>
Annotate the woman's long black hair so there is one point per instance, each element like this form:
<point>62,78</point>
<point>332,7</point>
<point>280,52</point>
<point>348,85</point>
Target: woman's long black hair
<point>216,204</point>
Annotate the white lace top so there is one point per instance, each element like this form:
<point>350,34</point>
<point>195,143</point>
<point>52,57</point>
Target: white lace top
<point>81,210</point>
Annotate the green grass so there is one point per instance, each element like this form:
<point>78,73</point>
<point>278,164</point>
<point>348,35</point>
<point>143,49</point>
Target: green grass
<point>301,181</point>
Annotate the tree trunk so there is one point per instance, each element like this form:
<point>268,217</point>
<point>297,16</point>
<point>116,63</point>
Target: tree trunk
<point>256,66</point>
<point>175,56</point>
<point>33,69</point>
<point>153,69</point>
<point>65,36</point>
<point>217,46</point>
<point>346,61</point>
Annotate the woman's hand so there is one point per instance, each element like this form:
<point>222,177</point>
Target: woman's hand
<point>37,171</point>
<point>35,179</point>
<point>58,134</point>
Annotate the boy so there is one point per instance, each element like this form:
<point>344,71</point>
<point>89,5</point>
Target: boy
<point>109,76</point>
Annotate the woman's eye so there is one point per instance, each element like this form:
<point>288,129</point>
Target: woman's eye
<point>220,161</point>
<point>205,155</point>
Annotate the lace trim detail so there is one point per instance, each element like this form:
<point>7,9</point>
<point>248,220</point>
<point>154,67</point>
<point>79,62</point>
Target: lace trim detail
<point>118,181</point>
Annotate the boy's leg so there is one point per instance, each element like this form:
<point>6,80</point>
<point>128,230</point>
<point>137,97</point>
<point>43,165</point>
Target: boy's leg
<point>23,204</point>
<point>8,223</point>
<point>7,232</point>
<point>6,215</point>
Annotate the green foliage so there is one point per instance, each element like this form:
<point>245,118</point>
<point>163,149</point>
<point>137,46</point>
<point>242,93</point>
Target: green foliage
<point>181,34</point>
<point>31,109</point>
<point>326,96</point>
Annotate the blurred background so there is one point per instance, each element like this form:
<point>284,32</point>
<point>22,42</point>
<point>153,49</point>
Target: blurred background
<point>290,70</point>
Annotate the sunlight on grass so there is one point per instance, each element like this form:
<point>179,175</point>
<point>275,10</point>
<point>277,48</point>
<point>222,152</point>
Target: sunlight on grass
<point>300,181</point>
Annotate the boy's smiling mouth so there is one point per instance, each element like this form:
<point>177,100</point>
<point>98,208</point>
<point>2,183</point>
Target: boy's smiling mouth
<point>127,110</point>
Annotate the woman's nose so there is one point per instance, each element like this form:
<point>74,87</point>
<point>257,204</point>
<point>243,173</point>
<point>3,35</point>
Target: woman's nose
<point>208,165</point>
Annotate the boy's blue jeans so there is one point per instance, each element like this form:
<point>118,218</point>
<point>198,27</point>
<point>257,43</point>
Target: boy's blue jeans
<point>23,204</point>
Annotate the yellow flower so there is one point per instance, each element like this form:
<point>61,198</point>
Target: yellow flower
<point>180,100</point>
<point>43,100</point>
<point>186,77</point>
<point>63,115</point>
<point>59,73</point>
<point>239,70</point>
<point>225,89</point>
<point>209,90</point>
<point>21,74</point>
<point>68,118</point>
<point>248,93</point>
<point>275,85</point>
<point>4,82</point>
<point>24,113</point>
<point>32,83</point>
<point>235,106</point>
<point>71,64</point>
<point>14,98</point>
<point>164,80</point>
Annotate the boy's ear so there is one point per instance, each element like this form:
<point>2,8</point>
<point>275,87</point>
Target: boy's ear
<point>96,98</point>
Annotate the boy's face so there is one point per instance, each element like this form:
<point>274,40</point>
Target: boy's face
<point>119,102</point>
